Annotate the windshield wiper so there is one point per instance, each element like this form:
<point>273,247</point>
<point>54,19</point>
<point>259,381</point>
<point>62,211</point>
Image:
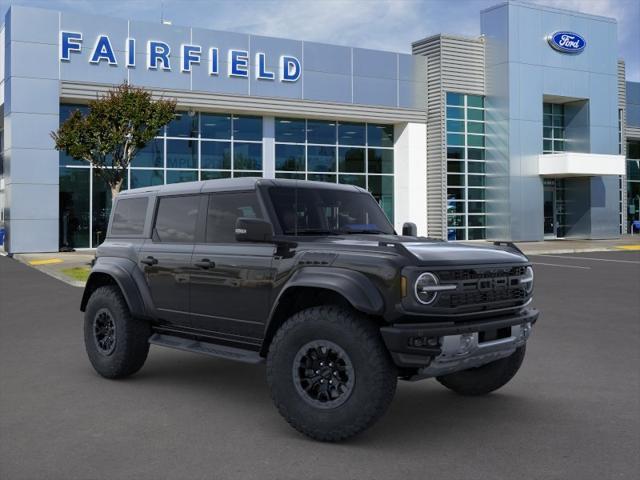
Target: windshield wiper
<point>371,231</point>
<point>311,231</point>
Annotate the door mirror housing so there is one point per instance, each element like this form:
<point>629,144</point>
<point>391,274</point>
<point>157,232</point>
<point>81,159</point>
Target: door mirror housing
<point>253,230</point>
<point>409,229</point>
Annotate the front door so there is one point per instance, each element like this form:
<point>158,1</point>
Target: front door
<point>550,208</point>
<point>166,258</point>
<point>230,281</point>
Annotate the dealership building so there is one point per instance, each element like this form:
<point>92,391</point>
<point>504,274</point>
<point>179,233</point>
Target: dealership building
<point>529,131</point>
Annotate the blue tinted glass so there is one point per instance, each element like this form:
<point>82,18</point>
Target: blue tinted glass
<point>455,153</point>
<point>351,159</point>
<point>455,98</point>
<point>455,113</point>
<point>66,109</point>
<point>475,101</point>
<point>146,178</point>
<point>475,140</point>
<point>238,174</point>
<point>473,114</point>
<point>65,159</point>
<point>379,135</point>
<point>357,180</point>
<point>247,156</point>
<point>247,128</point>
<point>291,176</point>
<point>290,130</point>
<point>74,207</point>
<point>290,157</point>
<point>151,155</point>
<point>321,159</point>
<point>182,154</point>
<point>455,139</point>
<point>350,133</point>
<point>215,155</point>
<point>381,187</point>
<point>177,176</point>
<point>321,178</point>
<point>320,131</point>
<point>475,127</point>
<point>380,160</point>
<point>215,126</point>
<point>183,125</point>
<point>455,126</point>
<point>214,175</point>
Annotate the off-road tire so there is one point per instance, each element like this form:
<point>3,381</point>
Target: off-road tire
<point>131,345</point>
<point>487,378</point>
<point>375,375</point>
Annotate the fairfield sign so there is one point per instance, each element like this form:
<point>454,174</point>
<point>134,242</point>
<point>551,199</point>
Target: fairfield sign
<point>160,57</point>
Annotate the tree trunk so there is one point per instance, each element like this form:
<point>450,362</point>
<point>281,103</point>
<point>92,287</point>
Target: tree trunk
<point>115,189</point>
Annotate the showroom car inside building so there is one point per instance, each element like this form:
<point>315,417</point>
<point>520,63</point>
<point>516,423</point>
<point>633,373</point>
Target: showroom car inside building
<point>518,134</point>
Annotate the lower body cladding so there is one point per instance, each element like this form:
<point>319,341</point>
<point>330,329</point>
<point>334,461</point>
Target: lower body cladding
<point>436,349</point>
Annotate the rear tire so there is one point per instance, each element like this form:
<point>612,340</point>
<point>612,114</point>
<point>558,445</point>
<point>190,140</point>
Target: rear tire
<point>487,378</point>
<point>116,343</point>
<point>329,372</point>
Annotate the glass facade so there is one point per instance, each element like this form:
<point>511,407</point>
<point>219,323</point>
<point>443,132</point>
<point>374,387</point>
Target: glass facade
<point>466,172</point>
<point>194,146</point>
<point>553,137</point>
<point>633,184</point>
<point>339,152</point>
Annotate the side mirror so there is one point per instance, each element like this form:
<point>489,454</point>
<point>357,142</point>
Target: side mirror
<point>253,230</point>
<point>409,229</point>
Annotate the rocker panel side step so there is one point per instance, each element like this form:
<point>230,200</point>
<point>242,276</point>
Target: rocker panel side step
<point>205,348</point>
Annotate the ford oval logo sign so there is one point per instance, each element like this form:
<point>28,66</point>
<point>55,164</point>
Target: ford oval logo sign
<point>567,42</point>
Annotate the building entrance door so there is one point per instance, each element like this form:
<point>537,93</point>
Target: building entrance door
<point>554,208</point>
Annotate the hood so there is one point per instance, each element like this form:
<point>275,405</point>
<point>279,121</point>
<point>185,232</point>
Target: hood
<point>434,252</point>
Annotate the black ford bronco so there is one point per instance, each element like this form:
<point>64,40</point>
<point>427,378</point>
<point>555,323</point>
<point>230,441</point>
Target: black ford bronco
<point>311,279</point>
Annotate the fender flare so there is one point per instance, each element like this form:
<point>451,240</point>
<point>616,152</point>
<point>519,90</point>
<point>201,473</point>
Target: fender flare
<point>123,272</point>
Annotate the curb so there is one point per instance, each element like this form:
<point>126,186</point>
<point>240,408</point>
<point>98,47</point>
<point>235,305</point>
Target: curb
<point>56,275</point>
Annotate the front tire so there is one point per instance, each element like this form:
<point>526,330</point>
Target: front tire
<point>116,343</point>
<point>487,378</point>
<point>329,373</point>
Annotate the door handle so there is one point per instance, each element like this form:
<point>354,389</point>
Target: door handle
<point>205,263</point>
<point>149,261</point>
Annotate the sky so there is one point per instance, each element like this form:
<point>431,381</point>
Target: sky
<point>377,24</point>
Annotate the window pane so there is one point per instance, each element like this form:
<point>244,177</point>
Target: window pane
<point>558,121</point>
<point>476,180</point>
<point>380,161</point>
<point>557,108</point>
<point>547,132</point>
<point>182,154</point>
<point>475,101</point>
<point>475,140</point>
<point>477,234</point>
<point>358,180</point>
<point>290,130</point>
<point>177,176</point>
<point>320,131</point>
<point>456,234</point>
<point>455,167</point>
<point>65,159</point>
<point>476,167</point>
<point>176,219</point>
<point>547,145</point>
<point>224,210</point>
<point>322,178</point>
<point>633,170</point>
<point>475,153</point>
<point>473,114</point>
<point>66,109</point>
<point>183,125</point>
<point>129,216</point>
<point>547,120</point>
<point>475,127</point>
<point>379,135</point>
<point>455,193</point>
<point>101,203</point>
<point>558,145</point>
<point>455,220</point>
<point>215,155</point>
<point>215,126</point>
<point>477,207</point>
<point>455,153</point>
<point>351,133</point>
<point>74,207</point>
<point>321,159</point>
<point>455,113</point>
<point>151,155</point>
<point>238,174</point>
<point>477,220</point>
<point>546,108</point>
<point>290,157</point>
<point>381,187</point>
<point>247,156</point>
<point>455,139</point>
<point>247,127</point>
<point>146,178</point>
<point>455,98</point>
<point>351,159</point>
<point>633,149</point>
<point>455,180</point>
<point>214,175</point>
<point>455,126</point>
<point>476,193</point>
<point>455,207</point>
<point>292,176</point>
<point>558,133</point>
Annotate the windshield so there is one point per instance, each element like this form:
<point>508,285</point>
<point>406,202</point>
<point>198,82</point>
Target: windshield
<point>323,211</point>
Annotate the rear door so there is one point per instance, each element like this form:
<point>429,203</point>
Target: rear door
<point>231,281</point>
<point>166,258</point>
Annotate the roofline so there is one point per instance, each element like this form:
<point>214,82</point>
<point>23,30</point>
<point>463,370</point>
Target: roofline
<point>519,3</point>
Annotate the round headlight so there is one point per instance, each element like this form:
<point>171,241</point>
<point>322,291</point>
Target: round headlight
<point>527,280</point>
<point>424,288</point>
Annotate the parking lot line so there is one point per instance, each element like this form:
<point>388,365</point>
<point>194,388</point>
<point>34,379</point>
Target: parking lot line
<point>559,265</point>
<point>588,258</point>
<point>49,261</point>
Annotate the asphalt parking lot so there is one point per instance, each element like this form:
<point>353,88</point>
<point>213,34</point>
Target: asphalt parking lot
<point>572,412</point>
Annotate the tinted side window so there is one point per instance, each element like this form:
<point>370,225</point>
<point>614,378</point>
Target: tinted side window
<point>224,210</point>
<point>129,215</point>
<point>176,219</point>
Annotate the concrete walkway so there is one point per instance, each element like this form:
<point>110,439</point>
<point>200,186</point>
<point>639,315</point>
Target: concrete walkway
<point>626,243</point>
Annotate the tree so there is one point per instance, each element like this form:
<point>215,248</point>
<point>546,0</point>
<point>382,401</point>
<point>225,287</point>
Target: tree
<point>117,126</point>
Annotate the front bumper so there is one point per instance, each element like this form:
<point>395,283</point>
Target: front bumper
<point>435,349</point>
